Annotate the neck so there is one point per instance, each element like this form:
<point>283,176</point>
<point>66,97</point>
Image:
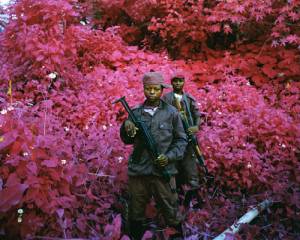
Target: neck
<point>150,103</point>
<point>178,91</point>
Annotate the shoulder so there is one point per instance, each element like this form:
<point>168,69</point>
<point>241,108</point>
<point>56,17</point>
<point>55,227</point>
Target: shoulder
<point>137,108</point>
<point>191,97</point>
<point>167,96</point>
<point>170,108</point>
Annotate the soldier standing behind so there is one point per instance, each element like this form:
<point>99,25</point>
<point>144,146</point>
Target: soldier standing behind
<point>186,104</point>
<point>145,176</point>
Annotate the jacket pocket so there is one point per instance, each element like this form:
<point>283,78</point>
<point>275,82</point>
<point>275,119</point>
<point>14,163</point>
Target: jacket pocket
<point>164,135</point>
<point>165,126</point>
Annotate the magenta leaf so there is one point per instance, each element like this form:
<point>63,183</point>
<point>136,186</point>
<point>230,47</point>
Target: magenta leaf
<point>11,196</point>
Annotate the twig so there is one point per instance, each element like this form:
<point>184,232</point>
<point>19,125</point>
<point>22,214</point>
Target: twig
<point>95,232</point>
<point>269,225</point>
<point>64,231</point>
<point>284,219</point>
<point>262,47</point>
<point>85,195</point>
<point>101,175</point>
<point>215,191</point>
<point>204,234</point>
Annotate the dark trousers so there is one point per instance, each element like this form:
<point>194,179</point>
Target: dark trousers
<point>141,189</point>
<point>188,170</point>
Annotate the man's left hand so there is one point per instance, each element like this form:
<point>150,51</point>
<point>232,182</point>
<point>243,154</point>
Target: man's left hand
<point>193,129</point>
<point>161,160</point>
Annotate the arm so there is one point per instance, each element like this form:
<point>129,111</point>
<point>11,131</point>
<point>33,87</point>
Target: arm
<point>179,143</point>
<point>164,98</point>
<point>195,112</point>
<point>195,115</point>
<point>167,98</point>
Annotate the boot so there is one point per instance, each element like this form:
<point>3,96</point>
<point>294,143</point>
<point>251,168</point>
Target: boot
<point>190,194</point>
<point>136,230</point>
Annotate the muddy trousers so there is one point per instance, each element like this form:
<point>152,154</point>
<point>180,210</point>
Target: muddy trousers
<point>141,189</point>
<point>188,170</point>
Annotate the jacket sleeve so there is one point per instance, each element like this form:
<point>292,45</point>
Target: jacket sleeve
<point>179,143</point>
<point>194,110</point>
<point>167,98</point>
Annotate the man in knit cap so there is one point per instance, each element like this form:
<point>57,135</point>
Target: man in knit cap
<point>145,176</point>
<point>187,106</point>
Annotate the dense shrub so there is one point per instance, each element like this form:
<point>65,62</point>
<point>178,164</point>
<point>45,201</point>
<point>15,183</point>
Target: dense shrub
<point>63,63</point>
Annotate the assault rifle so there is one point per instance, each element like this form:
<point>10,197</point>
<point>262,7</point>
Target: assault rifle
<point>191,137</point>
<point>146,135</point>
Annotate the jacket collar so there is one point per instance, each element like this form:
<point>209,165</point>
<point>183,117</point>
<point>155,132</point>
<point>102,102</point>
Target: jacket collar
<point>159,106</point>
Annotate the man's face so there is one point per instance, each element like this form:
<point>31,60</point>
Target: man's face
<point>153,92</point>
<point>177,84</point>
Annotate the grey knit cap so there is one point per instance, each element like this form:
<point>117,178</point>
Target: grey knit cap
<point>154,78</point>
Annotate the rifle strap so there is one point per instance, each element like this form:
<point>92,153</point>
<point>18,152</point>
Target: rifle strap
<point>187,106</point>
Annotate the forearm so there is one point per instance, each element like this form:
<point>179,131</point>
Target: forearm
<point>179,143</point>
<point>176,151</point>
<point>198,121</point>
<point>125,138</point>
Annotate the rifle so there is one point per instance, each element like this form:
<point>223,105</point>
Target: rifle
<point>146,135</point>
<point>191,137</point>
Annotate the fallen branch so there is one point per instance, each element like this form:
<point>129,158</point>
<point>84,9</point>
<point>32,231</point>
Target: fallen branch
<point>247,218</point>
<point>101,175</point>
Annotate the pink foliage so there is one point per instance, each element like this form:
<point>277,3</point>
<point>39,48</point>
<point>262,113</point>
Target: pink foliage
<point>62,161</point>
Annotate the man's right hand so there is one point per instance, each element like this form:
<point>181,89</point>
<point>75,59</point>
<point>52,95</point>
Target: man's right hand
<point>130,128</point>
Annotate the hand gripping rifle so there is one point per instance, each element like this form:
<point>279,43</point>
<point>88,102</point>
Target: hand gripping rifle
<point>146,135</point>
<point>191,137</point>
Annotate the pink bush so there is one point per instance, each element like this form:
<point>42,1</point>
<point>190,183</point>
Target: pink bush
<point>62,161</point>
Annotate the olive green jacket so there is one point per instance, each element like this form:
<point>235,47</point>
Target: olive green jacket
<point>167,130</point>
<point>191,102</point>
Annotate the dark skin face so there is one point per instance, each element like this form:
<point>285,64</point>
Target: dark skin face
<point>153,94</point>
<point>177,84</point>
